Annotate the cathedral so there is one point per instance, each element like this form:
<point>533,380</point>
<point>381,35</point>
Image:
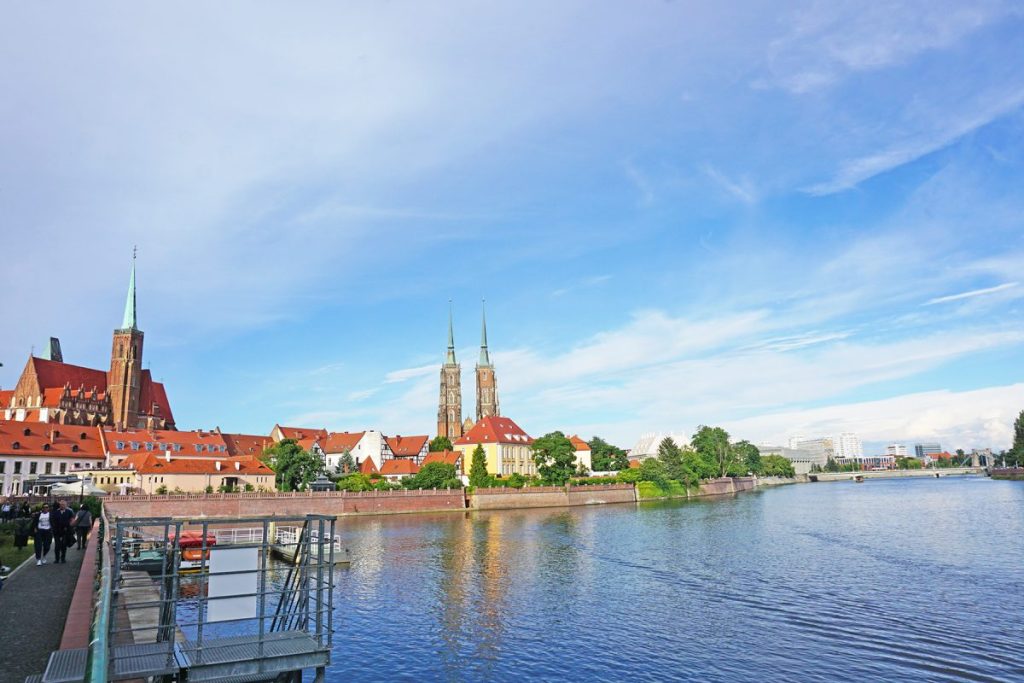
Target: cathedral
<point>125,396</point>
<point>449,412</point>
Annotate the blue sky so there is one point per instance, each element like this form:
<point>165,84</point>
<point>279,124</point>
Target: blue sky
<point>784,218</point>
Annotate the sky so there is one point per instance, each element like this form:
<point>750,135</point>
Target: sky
<point>781,218</point>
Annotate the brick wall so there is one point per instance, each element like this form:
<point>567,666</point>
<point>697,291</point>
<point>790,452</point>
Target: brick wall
<point>550,496</point>
<point>337,503</point>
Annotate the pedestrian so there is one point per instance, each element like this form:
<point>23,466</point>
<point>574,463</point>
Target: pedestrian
<point>83,523</point>
<point>25,511</point>
<point>61,520</point>
<point>6,510</point>
<point>42,530</point>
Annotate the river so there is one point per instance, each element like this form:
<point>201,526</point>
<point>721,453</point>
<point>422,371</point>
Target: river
<point>904,579</point>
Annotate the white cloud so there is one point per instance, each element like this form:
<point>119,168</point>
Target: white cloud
<point>970,294</point>
<point>741,189</point>
<point>410,373</point>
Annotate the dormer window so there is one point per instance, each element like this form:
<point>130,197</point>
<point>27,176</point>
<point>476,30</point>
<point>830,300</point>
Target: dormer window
<point>82,436</point>
<point>135,445</point>
<point>16,445</point>
<point>74,448</point>
<point>46,446</point>
<point>149,446</point>
<point>27,432</point>
<point>120,445</point>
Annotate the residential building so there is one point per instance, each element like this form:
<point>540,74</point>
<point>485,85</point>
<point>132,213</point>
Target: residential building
<point>397,469</point>
<point>453,458</point>
<point>29,450</point>
<point>449,410</point>
<point>120,444</point>
<point>582,451</point>
<point>367,445</point>
<point>279,433</point>
<point>247,444</point>
<point>413,447</point>
<point>147,472</point>
<point>50,390</point>
<point>506,446</point>
<point>848,446</point>
<point>922,450</point>
<point>896,450</point>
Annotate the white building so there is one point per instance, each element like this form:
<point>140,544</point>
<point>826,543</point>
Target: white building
<point>647,445</point>
<point>801,458</point>
<point>896,450</point>
<point>821,449</point>
<point>848,446</point>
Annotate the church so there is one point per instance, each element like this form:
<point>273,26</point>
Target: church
<point>125,396</point>
<point>449,412</point>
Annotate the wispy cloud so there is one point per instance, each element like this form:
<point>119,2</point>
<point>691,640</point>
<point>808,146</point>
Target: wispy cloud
<point>741,189</point>
<point>406,374</point>
<point>970,294</point>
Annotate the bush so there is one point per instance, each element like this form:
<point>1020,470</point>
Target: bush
<point>161,490</point>
<point>516,480</point>
<point>630,475</point>
<point>209,489</point>
<point>249,488</point>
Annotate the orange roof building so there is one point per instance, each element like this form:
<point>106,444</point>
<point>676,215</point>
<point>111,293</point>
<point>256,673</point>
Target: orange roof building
<point>506,446</point>
<point>582,451</point>
<point>195,445</point>
<point>399,468</point>
<point>415,447</point>
<point>453,458</point>
<point>29,450</point>
<point>150,471</point>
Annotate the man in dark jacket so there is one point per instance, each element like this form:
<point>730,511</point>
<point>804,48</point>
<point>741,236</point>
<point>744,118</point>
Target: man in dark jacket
<point>61,520</point>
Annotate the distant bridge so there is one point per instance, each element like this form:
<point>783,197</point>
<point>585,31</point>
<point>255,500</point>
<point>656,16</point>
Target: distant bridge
<point>895,474</point>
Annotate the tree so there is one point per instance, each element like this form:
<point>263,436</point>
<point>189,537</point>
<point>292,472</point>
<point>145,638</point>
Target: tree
<point>347,463</point>
<point>653,470</point>
<point>712,445</point>
<point>478,468</point>
<point>1015,456</point>
<point>605,457</point>
<point>555,457</point>
<point>671,459</point>
<point>294,468</point>
<point>777,466</point>
<point>434,475</point>
<point>748,455</point>
<point>440,443</point>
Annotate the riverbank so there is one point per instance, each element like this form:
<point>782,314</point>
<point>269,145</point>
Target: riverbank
<point>1011,473</point>
<point>898,474</point>
<point>722,486</point>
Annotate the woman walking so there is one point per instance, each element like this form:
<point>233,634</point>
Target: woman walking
<point>83,522</point>
<point>42,530</point>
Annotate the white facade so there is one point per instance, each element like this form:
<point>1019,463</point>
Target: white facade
<point>14,470</point>
<point>801,458</point>
<point>820,449</point>
<point>848,446</point>
<point>896,450</point>
<point>371,445</point>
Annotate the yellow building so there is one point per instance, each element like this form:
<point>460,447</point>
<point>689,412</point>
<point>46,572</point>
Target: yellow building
<point>507,447</point>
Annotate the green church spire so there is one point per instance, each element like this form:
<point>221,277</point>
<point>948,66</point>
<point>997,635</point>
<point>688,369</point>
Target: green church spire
<point>485,358</point>
<point>450,358</point>
<point>131,321</point>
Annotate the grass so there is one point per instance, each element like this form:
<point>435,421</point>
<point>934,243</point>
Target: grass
<point>673,489</point>
<point>9,555</point>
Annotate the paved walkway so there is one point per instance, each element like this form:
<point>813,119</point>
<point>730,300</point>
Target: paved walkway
<point>33,607</point>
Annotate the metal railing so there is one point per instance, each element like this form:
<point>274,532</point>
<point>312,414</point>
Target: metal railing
<point>152,619</point>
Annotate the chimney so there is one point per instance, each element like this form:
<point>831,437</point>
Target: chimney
<point>238,465</point>
<point>167,456</point>
<point>218,465</point>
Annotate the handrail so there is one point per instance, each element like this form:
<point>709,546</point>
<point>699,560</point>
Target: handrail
<point>97,658</point>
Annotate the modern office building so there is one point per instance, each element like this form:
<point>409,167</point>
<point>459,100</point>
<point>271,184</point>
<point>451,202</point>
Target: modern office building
<point>923,449</point>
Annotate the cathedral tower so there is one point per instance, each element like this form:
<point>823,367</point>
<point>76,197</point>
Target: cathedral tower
<point>486,383</point>
<point>449,412</point>
<point>124,381</point>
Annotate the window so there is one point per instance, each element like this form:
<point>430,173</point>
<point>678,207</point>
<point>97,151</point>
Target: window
<point>135,445</point>
<point>120,445</point>
<point>149,446</point>
<point>17,467</point>
<point>63,468</point>
<point>78,465</point>
<point>48,468</point>
<point>3,466</point>
<point>199,448</point>
<point>16,445</point>
<point>32,466</point>
<point>74,448</point>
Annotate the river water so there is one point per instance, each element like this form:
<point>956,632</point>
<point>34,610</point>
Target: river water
<point>900,579</point>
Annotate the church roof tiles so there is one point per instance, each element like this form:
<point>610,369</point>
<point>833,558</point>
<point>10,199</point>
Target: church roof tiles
<point>495,429</point>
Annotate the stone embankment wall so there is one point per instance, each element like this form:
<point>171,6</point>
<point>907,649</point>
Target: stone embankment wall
<point>779,481</point>
<point>897,474</point>
<point>550,496</point>
<point>336,503</point>
<point>724,486</point>
<point>1015,473</point>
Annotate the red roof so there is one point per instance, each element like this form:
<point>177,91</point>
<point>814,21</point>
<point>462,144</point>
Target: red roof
<point>153,394</point>
<point>5,397</point>
<point>184,443</point>
<point>247,444</point>
<point>399,466</point>
<point>339,442</point>
<point>50,440</point>
<point>308,443</point>
<point>578,443</point>
<point>447,457</point>
<point>299,433</point>
<point>148,463</point>
<point>495,430</point>
<point>944,455</point>
<point>54,374</point>
<point>406,445</point>
<point>367,466</point>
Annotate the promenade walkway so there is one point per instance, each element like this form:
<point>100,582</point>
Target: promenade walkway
<point>34,605</point>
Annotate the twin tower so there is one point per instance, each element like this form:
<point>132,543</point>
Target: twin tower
<point>449,412</point>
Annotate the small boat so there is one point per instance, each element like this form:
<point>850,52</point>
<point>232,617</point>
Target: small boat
<point>859,479</point>
<point>193,557</point>
<point>150,556</point>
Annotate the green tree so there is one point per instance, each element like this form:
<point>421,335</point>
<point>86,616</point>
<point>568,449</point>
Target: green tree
<point>1015,456</point>
<point>440,443</point>
<point>357,481</point>
<point>712,445</point>
<point>434,475</point>
<point>653,470</point>
<point>671,458</point>
<point>605,457</point>
<point>294,468</point>
<point>831,465</point>
<point>478,468</point>
<point>347,463</point>
<point>555,457</point>
<point>748,455</point>
<point>777,466</point>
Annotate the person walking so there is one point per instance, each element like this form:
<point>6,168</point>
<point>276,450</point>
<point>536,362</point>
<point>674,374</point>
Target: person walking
<point>42,531</point>
<point>83,523</point>
<point>60,520</point>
